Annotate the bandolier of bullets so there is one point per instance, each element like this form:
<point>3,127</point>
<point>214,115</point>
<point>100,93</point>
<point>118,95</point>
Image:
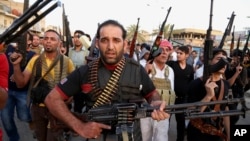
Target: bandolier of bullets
<point>105,96</point>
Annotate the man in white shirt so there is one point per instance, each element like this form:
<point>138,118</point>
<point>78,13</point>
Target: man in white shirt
<point>162,76</point>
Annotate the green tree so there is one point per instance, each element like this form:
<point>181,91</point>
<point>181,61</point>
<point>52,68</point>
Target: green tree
<point>166,31</point>
<point>130,34</point>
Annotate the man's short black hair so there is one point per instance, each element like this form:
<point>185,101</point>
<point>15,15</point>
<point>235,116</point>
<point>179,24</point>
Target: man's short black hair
<point>79,32</point>
<point>218,50</point>
<point>111,22</point>
<point>54,31</point>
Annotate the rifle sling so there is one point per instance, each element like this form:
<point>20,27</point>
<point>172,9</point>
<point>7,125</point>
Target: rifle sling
<point>37,72</point>
<point>217,106</point>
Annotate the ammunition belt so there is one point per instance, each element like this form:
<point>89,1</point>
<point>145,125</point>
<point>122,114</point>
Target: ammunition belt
<point>207,128</point>
<point>104,96</point>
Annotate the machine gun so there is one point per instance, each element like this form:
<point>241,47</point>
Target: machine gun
<point>208,47</point>
<point>227,31</point>
<point>67,38</point>
<point>132,46</point>
<point>155,50</point>
<point>30,17</point>
<point>119,115</point>
<point>15,31</point>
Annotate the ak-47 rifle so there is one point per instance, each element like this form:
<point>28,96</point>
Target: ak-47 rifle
<point>227,31</point>
<point>25,21</point>
<point>238,45</point>
<point>93,50</point>
<point>132,45</point>
<point>208,48</point>
<point>170,33</point>
<point>232,43</point>
<point>245,49</point>
<point>155,50</point>
<point>67,38</point>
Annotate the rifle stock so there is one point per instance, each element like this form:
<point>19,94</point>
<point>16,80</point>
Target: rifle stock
<point>155,50</point>
<point>132,46</point>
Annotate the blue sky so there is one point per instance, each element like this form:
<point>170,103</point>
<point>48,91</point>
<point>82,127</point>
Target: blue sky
<point>86,14</point>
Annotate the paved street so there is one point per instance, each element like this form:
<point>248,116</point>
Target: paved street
<point>26,134</point>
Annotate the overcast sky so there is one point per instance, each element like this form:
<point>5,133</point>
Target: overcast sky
<point>86,14</point>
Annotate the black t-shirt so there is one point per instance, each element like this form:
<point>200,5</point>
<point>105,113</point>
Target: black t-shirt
<point>78,81</point>
<point>182,78</point>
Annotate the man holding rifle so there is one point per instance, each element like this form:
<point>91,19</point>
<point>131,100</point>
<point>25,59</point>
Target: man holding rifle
<point>42,73</point>
<point>110,79</point>
<point>215,88</point>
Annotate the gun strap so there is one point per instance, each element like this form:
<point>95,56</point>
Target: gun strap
<point>111,87</point>
<point>217,106</point>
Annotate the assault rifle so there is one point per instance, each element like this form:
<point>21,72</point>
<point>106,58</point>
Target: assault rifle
<point>20,25</point>
<point>227,31</point>
<point>232,43</point>
<point>155,50</point>
<point>170,33</point>
<point>208,47</point>
<point>245,49</point>
<point>93,50</point>
<point>132,46</point>
<point>67,38</point>
<point>238,46</point>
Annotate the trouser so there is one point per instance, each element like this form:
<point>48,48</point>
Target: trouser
<point>16,101</point>
<point>180,122</point>
<point>41,124</point>
<point>153,130</point>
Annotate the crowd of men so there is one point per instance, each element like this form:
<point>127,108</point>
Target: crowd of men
<point>51,86</point>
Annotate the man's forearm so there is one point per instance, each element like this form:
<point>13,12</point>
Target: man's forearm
<point>18,76</point>
<point>59,109</point>
<point>154,97</point>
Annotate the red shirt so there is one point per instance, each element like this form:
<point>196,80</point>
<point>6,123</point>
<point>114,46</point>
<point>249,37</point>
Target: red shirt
<point>4,71</point>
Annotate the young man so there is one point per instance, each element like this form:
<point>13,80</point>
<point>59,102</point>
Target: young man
<point>107,80</point>
<point>215,88</point>
<point>56,67</point>
<point>163,78</point>
<point>80,50</point>
<point>35,44</point>
<point>183,75</point>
